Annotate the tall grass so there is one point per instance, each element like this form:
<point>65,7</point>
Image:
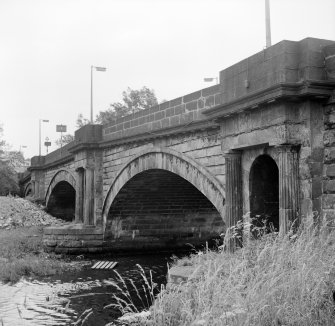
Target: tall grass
<point>131,298</point>
<point>22,254</point>
<point>273,280</point>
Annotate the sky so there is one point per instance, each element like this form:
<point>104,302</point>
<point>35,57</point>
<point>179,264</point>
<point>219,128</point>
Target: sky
<point>47,48</point>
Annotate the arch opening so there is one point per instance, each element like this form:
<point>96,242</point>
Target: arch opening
<point>62,201</point>
<point>264,192</point>
<point>158,208</point>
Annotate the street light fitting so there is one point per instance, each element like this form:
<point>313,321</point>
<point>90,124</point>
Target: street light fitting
<point>39,133</point>
<point>211,79</point>
<point>103,69</point>
<point>100,68</point>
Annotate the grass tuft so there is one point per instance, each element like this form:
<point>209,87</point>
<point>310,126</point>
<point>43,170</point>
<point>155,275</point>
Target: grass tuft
<point>22,254</point>
<point>274,280</point>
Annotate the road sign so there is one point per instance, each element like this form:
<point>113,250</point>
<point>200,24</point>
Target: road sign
<point>60,128</point>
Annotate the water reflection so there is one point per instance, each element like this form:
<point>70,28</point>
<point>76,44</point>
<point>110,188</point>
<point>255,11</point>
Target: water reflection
<point>60,300</point>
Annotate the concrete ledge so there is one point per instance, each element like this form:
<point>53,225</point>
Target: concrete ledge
<point>180,274</point>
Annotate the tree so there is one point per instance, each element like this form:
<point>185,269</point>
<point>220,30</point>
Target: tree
<point>81,121</point>
<point>65,139</point>
<point>10,161</point>
<point>132,102</point>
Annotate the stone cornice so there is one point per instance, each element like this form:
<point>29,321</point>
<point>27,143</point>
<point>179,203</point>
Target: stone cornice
<point>62,160</point>
<point>296,91</point>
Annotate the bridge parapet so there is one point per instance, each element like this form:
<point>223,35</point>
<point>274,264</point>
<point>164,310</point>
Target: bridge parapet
<point>181,111</point>
<point>285,62</point>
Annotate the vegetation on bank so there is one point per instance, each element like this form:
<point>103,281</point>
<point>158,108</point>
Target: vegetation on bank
<point>22,254</point>
<point>270,281</point>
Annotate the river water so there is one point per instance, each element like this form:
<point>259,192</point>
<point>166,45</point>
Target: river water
<point>62,299</point>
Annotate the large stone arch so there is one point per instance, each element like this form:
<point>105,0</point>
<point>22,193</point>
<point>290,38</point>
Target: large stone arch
<point>175,162</point>
<point>61,175</point>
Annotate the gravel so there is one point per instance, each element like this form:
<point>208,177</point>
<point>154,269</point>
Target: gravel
<point>19,212</point>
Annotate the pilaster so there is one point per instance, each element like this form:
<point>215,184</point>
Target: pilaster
<point>233,189</point>
<point>289,199</point>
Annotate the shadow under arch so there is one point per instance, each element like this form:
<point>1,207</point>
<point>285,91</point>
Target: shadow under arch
<point>264,190</point>
<point>172,161</point>
<point>61,175</point>
<point>28,190</point>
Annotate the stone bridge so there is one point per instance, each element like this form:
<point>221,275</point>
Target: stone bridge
<point>261,141</point>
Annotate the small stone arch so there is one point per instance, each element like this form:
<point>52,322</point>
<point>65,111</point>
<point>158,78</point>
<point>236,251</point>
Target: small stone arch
<point>175,162</point>
<point>264,189</point>
<point>28,189</point>
<point>61,175</point>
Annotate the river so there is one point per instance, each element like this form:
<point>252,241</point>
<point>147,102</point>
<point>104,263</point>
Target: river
<point>62,299</point>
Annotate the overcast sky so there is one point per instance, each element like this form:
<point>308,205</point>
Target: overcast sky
<point>47,48</point>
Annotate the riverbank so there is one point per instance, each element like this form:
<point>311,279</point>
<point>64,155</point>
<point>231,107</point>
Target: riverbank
<point>22,254</point>
<point>21,248</point>
<point>271,281</point>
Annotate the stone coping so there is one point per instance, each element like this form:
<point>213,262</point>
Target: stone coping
<point>73,229</point>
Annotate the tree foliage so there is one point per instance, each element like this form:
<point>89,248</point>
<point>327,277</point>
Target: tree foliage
<point>81,121</point>
<point>65,139</point>
<point>132,102</point>
<point>10,162</point>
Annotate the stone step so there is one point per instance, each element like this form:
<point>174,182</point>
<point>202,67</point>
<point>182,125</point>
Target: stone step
<point>104,265</point>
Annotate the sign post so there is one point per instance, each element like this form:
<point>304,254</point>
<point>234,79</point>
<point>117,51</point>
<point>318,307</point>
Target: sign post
<point>61,129</point>
<point>47,143</point>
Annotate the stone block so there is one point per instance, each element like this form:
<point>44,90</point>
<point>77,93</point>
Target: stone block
<point>306,208</point>
<point>169,112</point>
<point>50,243</point>
<point>92,243</point>
<point>191,106</point>
<point>175,120</point>
<point>179,109</point>
<point>212,90</point>
<point>191,97</point>
<point>176,101</point>
<point>95,250</point>
<point>328,201</point>
<point>330,170</point>
<point>201,104</point>
<point>316,169</point>
<point>159,115</point>
<point>329,138</point>
<point>164,105</point>
<point>165,123</point>
<point>76,251</point>
<point>329,186</point>
<point>210,101</point>
<point>329,155</point>
<point>69,244</point>
<point>180,274</point>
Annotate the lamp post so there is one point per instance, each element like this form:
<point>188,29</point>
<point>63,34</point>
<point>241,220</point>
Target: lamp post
<point>39,139</point>
<point>97,69</point>
<point>267,23</point>
<point>211,79</point>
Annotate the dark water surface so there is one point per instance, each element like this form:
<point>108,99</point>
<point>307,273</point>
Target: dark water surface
<point>61,299</point>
